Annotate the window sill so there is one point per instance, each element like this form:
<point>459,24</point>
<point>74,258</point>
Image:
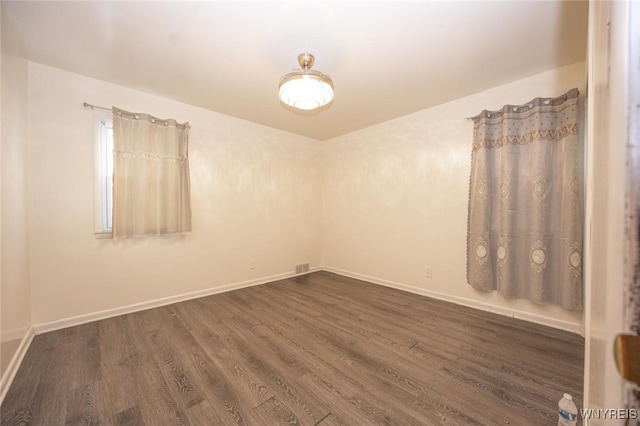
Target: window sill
<point>103,235</point>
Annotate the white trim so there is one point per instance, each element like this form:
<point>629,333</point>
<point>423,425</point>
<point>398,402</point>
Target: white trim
<point>14,365</point>
<point>534,318</point>
<point>110,313</point>
<point>103,235</point>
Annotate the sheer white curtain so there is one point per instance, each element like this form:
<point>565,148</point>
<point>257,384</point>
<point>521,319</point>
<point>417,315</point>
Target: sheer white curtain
<point>524,235</point>
<point>151,189</point>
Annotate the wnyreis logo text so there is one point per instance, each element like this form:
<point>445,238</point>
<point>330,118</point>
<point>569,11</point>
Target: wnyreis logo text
<point>609,413</point>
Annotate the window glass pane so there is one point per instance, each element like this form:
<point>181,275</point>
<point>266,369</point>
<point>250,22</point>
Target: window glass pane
<point>107,173</point>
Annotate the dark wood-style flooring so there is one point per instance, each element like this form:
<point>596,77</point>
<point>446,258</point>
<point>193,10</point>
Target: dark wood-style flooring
<point>319,349</point>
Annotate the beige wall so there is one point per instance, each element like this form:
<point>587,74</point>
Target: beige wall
<point>395,198</point>
<point>254,196</point>
<point>15,294</point>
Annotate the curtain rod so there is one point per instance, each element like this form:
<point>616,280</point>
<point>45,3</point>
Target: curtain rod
<point>87,105</point>
<point>545,101</point>
<point>153,119</point>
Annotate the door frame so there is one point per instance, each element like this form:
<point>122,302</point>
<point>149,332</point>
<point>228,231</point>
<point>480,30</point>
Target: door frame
<point>607,250</point>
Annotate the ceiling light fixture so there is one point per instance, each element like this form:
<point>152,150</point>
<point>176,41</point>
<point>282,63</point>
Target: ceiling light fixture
<point>306,89</point>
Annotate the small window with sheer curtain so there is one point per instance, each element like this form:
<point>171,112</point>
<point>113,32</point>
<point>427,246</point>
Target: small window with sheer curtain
<point>151,188</point>
<point>142,176</point>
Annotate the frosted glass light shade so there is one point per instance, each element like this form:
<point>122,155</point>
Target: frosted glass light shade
<point>306,90</point>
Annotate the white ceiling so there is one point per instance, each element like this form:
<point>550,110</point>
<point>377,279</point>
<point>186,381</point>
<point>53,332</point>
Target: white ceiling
<point>386,58</point>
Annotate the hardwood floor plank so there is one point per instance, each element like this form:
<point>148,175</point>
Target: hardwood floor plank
<point>231,392</point>
<point>274,412</point>
<point>116,393</point>
<point>279,376</point>
<point>318,349</point>
<point>82,407</point>
<point>129,417</point>
<point>185,392</point>
<point>329,420</point>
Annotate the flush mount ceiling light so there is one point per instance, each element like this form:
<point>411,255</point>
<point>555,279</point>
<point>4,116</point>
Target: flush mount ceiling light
<point>306,89</point>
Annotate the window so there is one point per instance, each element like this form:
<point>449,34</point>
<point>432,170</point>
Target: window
<point>152,185</point>
<point>103,175</point>
<point>151,188</point>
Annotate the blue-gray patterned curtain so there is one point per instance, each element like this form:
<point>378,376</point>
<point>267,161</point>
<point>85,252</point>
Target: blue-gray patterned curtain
<point>524,236</point>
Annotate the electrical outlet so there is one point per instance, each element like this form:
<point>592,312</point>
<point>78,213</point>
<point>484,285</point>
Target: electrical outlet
<point>428,272</point>
<point>252,264</point>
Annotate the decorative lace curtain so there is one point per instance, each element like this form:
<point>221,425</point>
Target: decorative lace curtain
<point>524,236</point>
<point>151,189</point>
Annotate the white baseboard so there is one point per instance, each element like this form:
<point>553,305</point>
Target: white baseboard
<point>110,313</point>
<point>501,310</point>
<point>14,365</point>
